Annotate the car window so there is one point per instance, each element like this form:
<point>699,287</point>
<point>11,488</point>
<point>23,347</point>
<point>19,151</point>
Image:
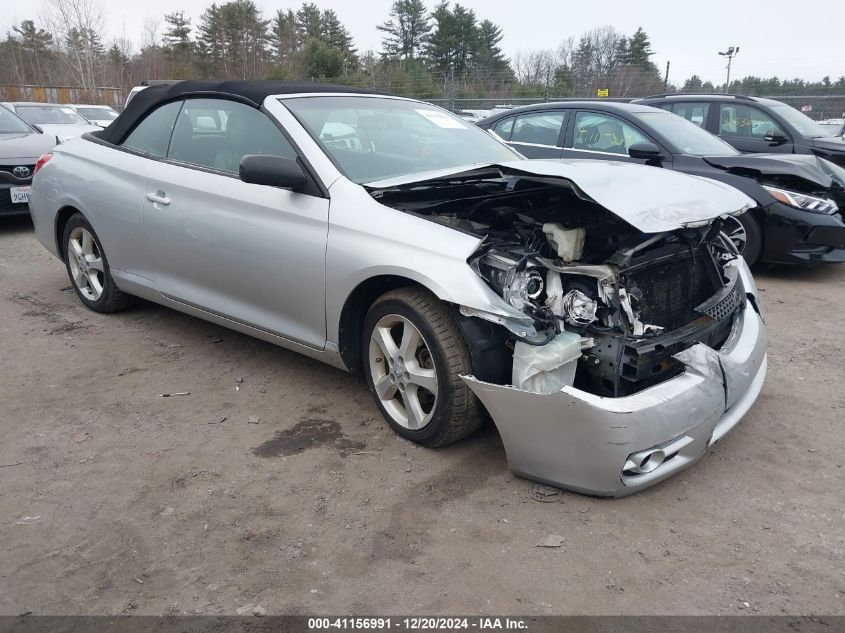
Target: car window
<point>152,134</point>
<point>373,138</point>
<point>682,136</point>
<point>98,114</point>
<point>693,112</point>
<point>745,121</point>
<point>217,133</point>
<point>49,115</point>
<point>10,124</point>
<point>504,128</point>
<point>604,133</point>
<point>538,128</point>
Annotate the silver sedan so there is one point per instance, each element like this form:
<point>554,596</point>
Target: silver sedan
<point>594,310</point>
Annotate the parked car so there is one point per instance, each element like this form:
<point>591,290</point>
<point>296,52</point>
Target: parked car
<point>835,127</point>
<point>796,216</point>
<point>472,115</point>
<point>101,115</point>
<point>53,119</point>
<point>20,147</point>
<point>594,309</point>
<point>755,124</point>
<point>146,84</point>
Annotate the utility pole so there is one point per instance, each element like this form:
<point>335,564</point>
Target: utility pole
<point>730,54</point>
<point>666,78</point>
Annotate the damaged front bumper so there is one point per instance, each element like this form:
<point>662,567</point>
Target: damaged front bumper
<point>618,446</point>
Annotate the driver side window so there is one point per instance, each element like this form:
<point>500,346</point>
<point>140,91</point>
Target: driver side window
<point>600,132</point>
<point>217,133</point>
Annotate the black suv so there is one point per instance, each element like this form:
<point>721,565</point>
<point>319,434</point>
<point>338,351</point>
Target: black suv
<point>754,124</point>
<point>796,219</point>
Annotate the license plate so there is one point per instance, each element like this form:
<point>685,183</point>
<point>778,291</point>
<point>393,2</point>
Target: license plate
<point>20,195</point>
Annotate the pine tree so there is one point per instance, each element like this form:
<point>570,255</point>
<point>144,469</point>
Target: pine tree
<point>639,50</point>
<point>406,30</point>
<point>35,44</point>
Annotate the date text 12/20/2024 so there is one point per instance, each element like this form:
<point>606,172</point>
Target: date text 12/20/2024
<point>417,624</point>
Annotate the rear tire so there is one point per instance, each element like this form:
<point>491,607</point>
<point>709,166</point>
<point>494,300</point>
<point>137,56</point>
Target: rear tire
<point>88,268</point>
<point>414,355</point>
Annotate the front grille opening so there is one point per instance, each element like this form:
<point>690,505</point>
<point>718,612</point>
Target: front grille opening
<point>671,286</point>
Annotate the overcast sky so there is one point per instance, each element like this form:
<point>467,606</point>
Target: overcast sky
<point>786,38</point>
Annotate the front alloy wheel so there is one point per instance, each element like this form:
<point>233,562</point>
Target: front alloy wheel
<point>746,234</point>
<point>414,356</point>
<point>402,371</point>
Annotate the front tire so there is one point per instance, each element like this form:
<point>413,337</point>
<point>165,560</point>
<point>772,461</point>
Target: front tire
<point>414,355</point>
<point>89,270</point>
<point>747,235</point>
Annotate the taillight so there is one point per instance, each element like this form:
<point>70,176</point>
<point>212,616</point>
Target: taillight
<point>41,162</point>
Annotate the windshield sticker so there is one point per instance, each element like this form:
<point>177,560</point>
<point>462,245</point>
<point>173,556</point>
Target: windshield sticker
<point>441,119</point>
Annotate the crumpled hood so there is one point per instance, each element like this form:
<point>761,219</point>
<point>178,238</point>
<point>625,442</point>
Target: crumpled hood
<point>650,199</point>
<point>817,171</point>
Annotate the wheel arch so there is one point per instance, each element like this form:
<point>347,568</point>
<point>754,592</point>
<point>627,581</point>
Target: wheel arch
<point>64,214</point>
<point>355,310</point>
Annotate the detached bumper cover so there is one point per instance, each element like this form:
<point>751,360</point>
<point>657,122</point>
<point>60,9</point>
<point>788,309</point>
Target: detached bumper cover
<point>583,442</point>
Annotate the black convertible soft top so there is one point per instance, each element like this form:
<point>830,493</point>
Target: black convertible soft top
<point>250,92</point>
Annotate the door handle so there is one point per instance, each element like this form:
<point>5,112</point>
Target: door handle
<point>158,198</point>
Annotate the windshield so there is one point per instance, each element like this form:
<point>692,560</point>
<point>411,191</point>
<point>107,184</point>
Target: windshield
<point>49,115</point>
<point>800,121</point>
<point>372,138</point>
<point>10,124</point>
<point>685,137</point>
<point>97,114</point>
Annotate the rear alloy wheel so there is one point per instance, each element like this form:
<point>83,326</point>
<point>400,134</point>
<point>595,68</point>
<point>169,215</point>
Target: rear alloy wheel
<point>88,268</point>
<point>414,356</point>
<point>746,234</point>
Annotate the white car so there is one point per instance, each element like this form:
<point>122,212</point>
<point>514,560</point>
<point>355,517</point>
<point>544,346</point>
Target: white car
<point>101,115</point>
<point>595,310</point>
<point>58,120</point>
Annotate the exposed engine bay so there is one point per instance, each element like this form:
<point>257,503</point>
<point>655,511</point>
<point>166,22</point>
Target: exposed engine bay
<point>610,305</point>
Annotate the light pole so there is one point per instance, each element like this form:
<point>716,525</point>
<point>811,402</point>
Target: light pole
<point>730,54</point>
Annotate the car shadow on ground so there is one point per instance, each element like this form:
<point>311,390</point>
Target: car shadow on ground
<point>242,350</point>
<point>801,274</point>
<point>15,224</point>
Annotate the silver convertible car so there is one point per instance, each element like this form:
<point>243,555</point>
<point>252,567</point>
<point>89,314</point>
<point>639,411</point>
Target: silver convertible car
<point>595,311</point>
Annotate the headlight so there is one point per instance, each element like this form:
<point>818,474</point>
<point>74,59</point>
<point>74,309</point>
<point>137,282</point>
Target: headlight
<point>803,201</point>
<point>519,288</point>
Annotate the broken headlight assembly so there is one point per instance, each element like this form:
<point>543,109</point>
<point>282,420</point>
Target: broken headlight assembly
<point>522,287</point>
<point>802,201</point>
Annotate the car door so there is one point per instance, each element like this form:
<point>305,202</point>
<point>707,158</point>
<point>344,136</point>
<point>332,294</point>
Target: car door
<point>745,127</point>
<point>251,253</point>
<point>603,136</point>
<point>534,134</point>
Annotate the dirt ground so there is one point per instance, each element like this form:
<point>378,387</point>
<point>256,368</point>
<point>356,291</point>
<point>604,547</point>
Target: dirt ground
<point>114,500</point>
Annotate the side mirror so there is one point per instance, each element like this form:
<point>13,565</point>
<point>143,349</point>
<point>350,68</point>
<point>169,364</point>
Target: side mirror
<point>775,136</point>
<point>645,151</point>
<point>273,171</point>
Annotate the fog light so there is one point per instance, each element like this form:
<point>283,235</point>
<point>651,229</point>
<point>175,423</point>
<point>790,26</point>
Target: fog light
<point>644,462</point>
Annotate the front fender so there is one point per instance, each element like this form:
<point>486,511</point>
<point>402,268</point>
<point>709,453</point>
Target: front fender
<point>367,239</point>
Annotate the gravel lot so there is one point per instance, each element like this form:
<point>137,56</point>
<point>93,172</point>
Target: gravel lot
<point>115,500</point>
